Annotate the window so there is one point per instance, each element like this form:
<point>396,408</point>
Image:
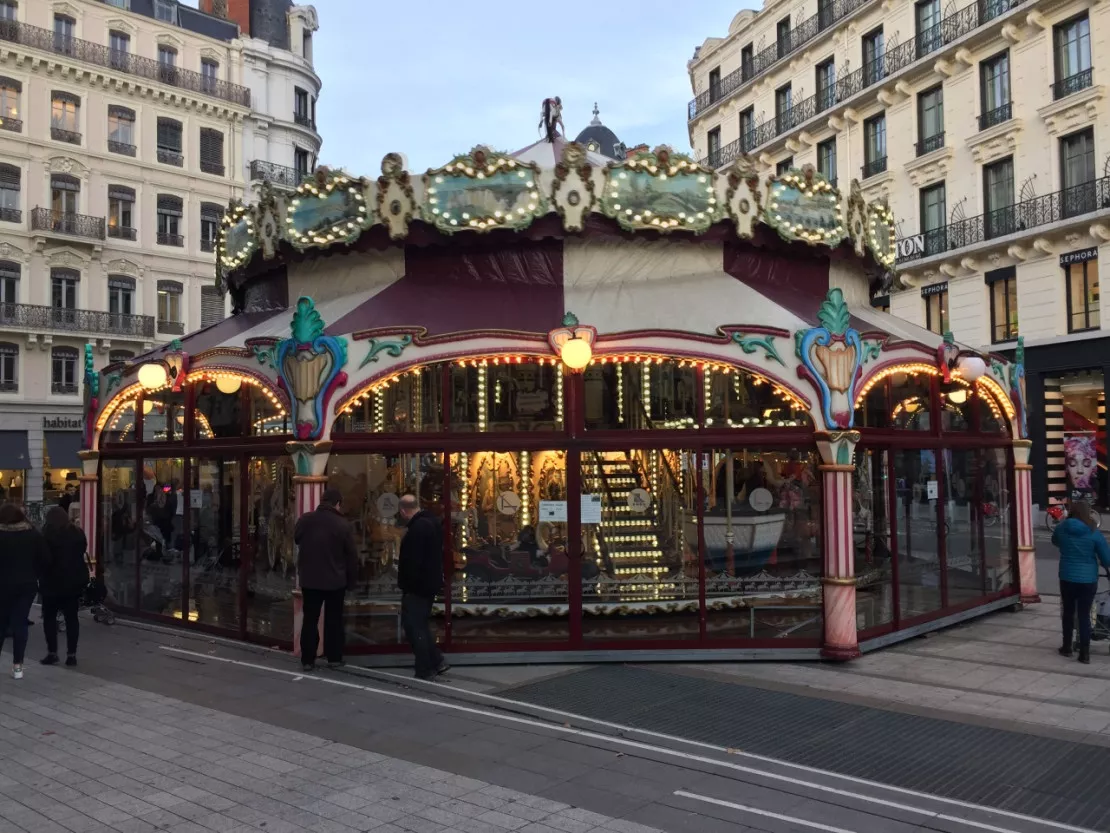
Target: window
<point>874,145</point>
<point>63,371</point>
<point>927,21</point>
<point>120,356</point>
<point>65,111</point>
<point>826,159</point>
<point>169,307</point>
<point>994,91</point>
<point>169,142</point>
<point>121,130</point>
<point>936,309</point>
<point>119,4</point>
<point>9,367</point>
<point>63,296</point>
<point>747,129</point>
<point>8,10</point>
<point>826,84</point>
<point>211,151</point>
<point>930,120</point>
<point>9,283</point>
<point>1083,298</point>
<point>211,306</point>
<point>10,90</point>
<point>826,14</point>
<point>209,74</point>
<point>65,34</point>
<point>998,198</point>
<point>165,10</point>
<point>10,177</point>
<point>306,45</point>
<point>210,214</point>
<point>65,193</point>
<point>300,106</point>
<point>119,49</point>
<point>1003,289</point>
<point>121,209</point>
<point>784,109</point>
<point>121,295</point>
<point>933,208</point>
<point>167,64</point>
<point>782,35</point>
<point>714,84</point>
<point>1077,173</point>
<point>747,62</point>
<point>784,166</point>
<point>873,57</point>
<point>1072,45</point>
<point>713,138</point>
<point>169,220</point>
<point>301,163</point>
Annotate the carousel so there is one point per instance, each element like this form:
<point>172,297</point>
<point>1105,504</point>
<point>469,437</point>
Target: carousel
<point>651,404</point>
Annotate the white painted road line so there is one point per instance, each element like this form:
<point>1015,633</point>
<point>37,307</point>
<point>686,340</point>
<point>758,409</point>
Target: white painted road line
<point>674,753</point>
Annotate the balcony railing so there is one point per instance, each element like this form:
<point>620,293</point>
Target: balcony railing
<point>59,134</point>
<point>215,168</point>
<point>170,157</point>
<point>122,232</point>
<point>304,120</point>
<point>63,222</point>
<point>14,125</point>
<point>11,215</point>
<point>894,60</point>
<point>53,319</point>
<point>100,55</point>
<point>9,386</point>
<point>173,328</point>
<point>1040,211</point>
<point>996,116</point>
<point>165,239</point>
<point>875,166</point>
<point>279,175</point>
<point>207,244</point>
<point>67,388</point>
<point>1072,84</point>
<point>121,147</point>
<point>804,32</point>
<point>928,145</point>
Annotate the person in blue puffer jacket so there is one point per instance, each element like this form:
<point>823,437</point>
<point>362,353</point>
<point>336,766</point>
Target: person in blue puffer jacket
<point>1082,548</point>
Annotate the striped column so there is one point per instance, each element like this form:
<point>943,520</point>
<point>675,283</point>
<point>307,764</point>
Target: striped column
<point>309,489</point>
<point>1056,472</point>
<point>89,497</point>
<point>839,580</point>
<point>1023,497</point>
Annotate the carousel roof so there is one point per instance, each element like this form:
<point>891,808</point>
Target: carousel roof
<point>547,154</point>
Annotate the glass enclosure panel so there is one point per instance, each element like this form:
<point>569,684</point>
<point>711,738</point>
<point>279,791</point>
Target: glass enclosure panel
<point>119,513</point>
<point>640,545</point>
<point>495,395</point>
<point>161,538</point>
<point>762,535</point>
<point>991,418</point>
<point>268,417</point>
<point>955,406</point>
<point>164,416</point>
<point>510,559</point>
<point>640,395</point>
<point>911,401</point>
<point>916,488</point>
<point>998,534</point>
<point>272,572</point>
<point>963,526</point>
<point>743,400</point>
<point>218,415</point>
<point>412,403</point>
<point>871,537</point>
<point>120,427</point>
<point>372,486</point>
<point>214,492</point>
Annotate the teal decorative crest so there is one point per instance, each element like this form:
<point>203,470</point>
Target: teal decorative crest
<point>236,241</point>
<point>661,190</point>
<point>266,354</point>
<point>871,350</point>
<point>92,395</point>
<point>111,382</point>
<point>393,348</point>
<point>1017,387</point>
<point>749,344</point>
<point>804,206</point>
<point>483,190</point>
<point>831,357</point>
<point>329,208</point>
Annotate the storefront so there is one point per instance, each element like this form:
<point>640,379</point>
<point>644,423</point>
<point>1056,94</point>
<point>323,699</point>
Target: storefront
<point>726,452</point>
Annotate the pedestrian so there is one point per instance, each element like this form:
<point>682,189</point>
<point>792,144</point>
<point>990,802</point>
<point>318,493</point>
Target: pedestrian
<point>62,582</point>
<point>23,554</point>
<point>1082,548</point>
<point>327,566</point>
<point>420,578</point>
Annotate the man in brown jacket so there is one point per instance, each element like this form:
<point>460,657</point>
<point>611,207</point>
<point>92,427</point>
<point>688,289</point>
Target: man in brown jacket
<point>327,564</point>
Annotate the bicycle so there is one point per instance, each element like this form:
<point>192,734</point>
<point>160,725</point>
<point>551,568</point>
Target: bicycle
<point>1058,512</point>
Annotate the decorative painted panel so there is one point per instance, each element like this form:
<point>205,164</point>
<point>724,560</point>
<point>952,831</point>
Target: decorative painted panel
<point>328,208</point>
<point>804,206</point>
<point>661,190</point>
<point>483,190</point>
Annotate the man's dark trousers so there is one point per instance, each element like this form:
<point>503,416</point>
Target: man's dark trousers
<point>332,602</point>
<point>415,613</point>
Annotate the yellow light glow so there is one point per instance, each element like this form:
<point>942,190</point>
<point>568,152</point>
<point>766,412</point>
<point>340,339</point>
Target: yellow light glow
<point>576,353</point>
<point>148,406</point>
<point>152,375</point>
<point>228,384</point>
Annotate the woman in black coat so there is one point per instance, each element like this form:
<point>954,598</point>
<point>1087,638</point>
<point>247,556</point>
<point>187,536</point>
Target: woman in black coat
<point>63,580</point>
<point>23,556</point>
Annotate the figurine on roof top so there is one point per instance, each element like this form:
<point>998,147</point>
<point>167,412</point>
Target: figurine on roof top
<point>551,118</point>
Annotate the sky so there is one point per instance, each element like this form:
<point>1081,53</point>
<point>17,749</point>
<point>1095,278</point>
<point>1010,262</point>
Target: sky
<point>431,79</point>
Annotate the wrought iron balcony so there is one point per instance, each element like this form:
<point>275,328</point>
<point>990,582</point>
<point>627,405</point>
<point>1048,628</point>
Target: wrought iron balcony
<point>207,244</point>
<point>100,55</point>
<point>122,232</point>
<point>9,386</point>
<point>173,328</point>
<point>281,176</point>
<point>1070,203</point>
<point>14,125</point>
<point>1072,84</point>
<point>875,166</point>
<point>801,34</point>
<point>59,134</point>
<point>165,239</point>
<point>304,120</point>
<point>92,322</point>
<point>121,148</point>
<point>215,168</point>
<point>63,222</point>
<point>11,215</point>
<point>928,145</point>
<point>66,388</point>
<point>169,157</point>
<point>996,116</point>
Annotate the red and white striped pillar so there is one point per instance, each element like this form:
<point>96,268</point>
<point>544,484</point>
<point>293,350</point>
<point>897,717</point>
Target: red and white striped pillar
<point>839,579</point>
<point>89,496</point>
<point>310,461</point>
<point>1023,503</point>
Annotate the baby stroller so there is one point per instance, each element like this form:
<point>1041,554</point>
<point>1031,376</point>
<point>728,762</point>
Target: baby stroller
<point>93,600</point>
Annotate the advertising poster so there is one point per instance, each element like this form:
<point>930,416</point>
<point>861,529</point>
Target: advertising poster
<point>1081,461</point>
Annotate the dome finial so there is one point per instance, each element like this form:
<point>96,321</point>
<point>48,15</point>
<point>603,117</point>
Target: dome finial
<point>596,120</point>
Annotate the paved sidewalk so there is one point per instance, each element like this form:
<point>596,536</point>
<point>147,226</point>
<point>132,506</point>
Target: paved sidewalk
<point>85,756</point>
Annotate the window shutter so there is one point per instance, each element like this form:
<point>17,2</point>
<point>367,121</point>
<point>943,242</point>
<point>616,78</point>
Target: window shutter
<point>9,269</point>
<point>121,282</point>
<point>169,204</point>
<point>117,356</point>
<point>9,176</point>
<point>169,134</point>
<point>211,211</point>
<point>211,306</point>
<point>65,273</point>
<point>121,112</point>
<point>211,146</point>
<point>65,352</point>
<point>64,182</point>
<point>121,192</point>
<point>62,95</point>
<point>11,83</point>
<point>173,287</point>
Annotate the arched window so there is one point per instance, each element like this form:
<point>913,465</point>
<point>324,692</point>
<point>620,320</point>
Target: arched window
<point>169,308</point>
<point>9,286</point>
<point>9,367</point>
<point>10,110</point>
<point>65,117</point>
<point>169,220</point>
<point>169,142</point>
<point>63,370</point>
<point>10,178</point>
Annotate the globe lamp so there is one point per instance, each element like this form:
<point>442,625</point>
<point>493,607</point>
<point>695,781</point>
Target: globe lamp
<point>152,375</point>
<point>228,384</point>
<point>576,353</point>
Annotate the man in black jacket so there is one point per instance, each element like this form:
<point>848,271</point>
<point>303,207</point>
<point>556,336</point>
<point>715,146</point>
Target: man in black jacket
<point>327,564</point>
<point>420,577</point>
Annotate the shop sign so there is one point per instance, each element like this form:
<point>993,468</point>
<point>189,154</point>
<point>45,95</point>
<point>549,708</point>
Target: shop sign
<point>934,289</point>
<point>1081,256</point>
<point>75,423</point>
<point>912,246</point>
